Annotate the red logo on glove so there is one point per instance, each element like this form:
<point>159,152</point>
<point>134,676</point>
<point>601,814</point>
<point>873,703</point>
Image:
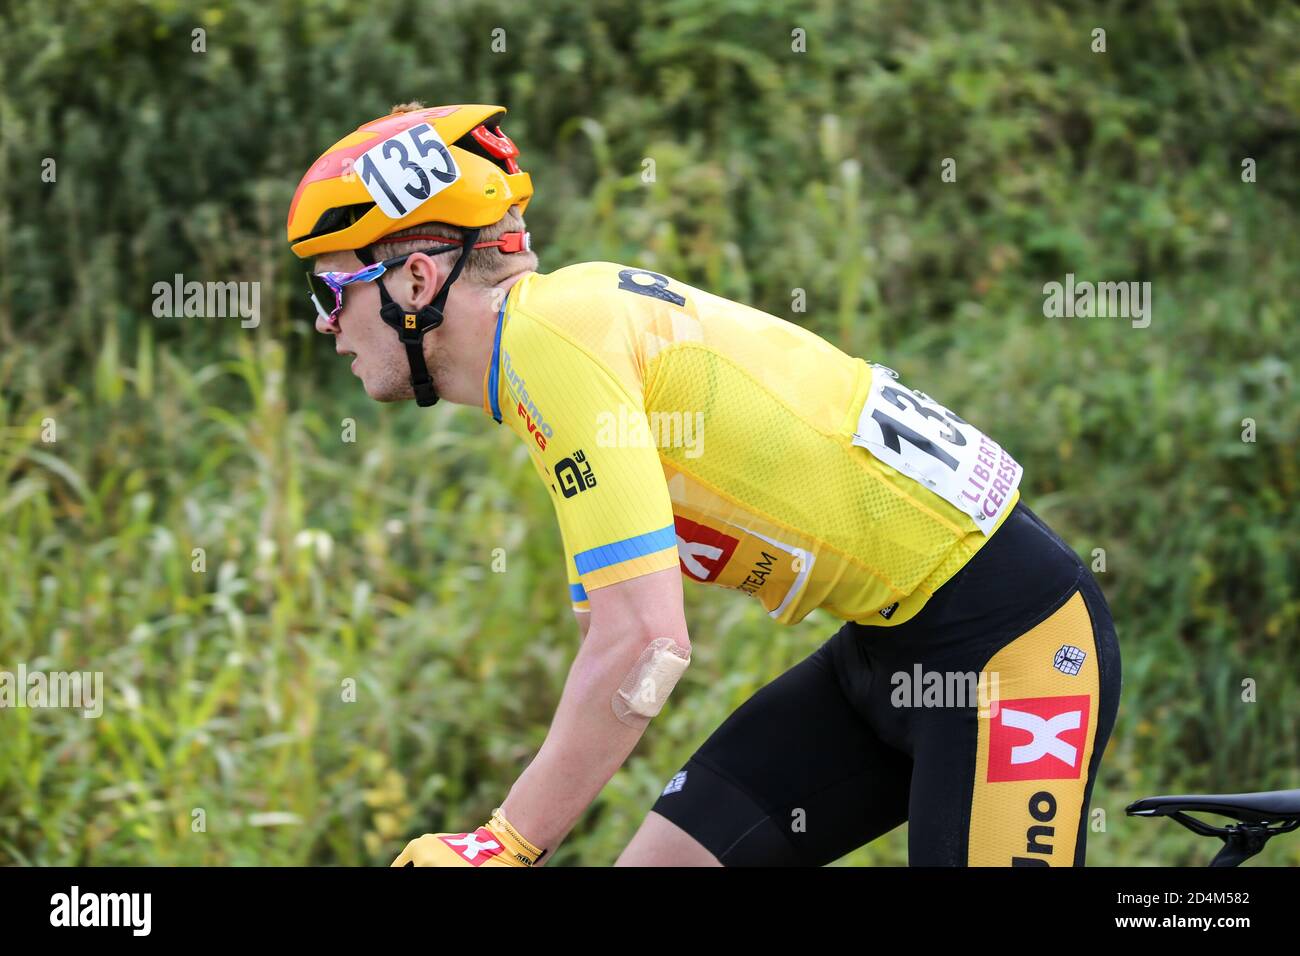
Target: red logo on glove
<point>474,848</point>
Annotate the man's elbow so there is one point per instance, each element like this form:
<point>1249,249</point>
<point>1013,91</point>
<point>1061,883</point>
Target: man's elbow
<point>642,609</point>
<point>650,681</point>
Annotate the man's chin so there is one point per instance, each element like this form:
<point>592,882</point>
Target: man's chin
<point>387,392</point>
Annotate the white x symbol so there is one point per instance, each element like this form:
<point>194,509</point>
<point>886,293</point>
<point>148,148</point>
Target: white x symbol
<point>1047,735</point>
<point>691,552</point>
<point>471,845</point>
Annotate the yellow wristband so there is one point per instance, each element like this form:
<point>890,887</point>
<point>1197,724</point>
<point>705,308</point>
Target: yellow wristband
<point>520,849</point>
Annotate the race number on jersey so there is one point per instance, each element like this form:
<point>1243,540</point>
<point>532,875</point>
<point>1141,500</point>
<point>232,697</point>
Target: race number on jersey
<point>915,435</point>
<point>407,170</point>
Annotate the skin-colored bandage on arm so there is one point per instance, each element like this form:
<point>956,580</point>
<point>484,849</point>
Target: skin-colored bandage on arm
<point>650,681</point>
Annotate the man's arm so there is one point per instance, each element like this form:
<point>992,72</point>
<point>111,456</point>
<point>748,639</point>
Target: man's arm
<point>587,743</point>
<point>616,519</point>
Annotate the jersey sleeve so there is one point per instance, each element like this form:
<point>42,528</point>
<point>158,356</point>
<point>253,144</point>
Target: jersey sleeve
<point>593,446</point>
<point>577,593</point>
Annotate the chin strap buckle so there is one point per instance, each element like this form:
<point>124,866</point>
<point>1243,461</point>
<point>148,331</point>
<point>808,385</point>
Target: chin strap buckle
<point>411,326</point>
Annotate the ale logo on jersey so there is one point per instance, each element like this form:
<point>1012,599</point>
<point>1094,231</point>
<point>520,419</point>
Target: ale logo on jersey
<point>1039,738</point>
<point>703,552</point>
<point>474,848</point>
<point>575,473</point>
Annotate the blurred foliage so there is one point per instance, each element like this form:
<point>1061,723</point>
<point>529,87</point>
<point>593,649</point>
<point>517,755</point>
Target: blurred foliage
<point>370,561</point>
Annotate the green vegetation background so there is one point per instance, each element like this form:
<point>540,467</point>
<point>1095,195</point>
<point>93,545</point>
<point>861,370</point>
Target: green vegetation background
<point>371,560</point>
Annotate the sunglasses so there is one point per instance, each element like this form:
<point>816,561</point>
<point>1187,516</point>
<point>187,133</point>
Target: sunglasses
<point>325,287</point>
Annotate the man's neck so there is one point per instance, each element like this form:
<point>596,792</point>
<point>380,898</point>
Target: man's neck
<point>466,351</point>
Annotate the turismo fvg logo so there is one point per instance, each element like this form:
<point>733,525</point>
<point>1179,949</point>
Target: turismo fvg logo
<point>1039,738</point>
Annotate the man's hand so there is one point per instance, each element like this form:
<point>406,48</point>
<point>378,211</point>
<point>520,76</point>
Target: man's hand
<point>496,843</point>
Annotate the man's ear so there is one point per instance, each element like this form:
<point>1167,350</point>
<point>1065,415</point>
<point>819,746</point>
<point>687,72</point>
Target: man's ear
<point>426,278</point>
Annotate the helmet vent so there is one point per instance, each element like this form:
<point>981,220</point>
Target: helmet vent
<point>337,219</point>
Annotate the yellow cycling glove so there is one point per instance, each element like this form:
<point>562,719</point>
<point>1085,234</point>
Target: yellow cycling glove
<point>496,843</point>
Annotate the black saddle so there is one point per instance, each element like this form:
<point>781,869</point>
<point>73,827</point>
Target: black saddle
<point>1261,815</point>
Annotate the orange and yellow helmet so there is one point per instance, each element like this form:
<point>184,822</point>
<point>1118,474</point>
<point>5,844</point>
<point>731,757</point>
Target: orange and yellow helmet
<point>447,164</point>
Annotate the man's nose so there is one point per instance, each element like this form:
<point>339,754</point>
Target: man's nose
<point>324,325</point>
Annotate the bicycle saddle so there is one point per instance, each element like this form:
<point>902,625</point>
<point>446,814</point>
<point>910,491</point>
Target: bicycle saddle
<point>1264,807</point>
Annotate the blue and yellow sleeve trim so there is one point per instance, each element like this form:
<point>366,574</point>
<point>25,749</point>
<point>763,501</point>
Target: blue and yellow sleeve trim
<point>628,558</point>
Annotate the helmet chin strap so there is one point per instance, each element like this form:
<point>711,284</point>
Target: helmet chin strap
<point>412,326</point>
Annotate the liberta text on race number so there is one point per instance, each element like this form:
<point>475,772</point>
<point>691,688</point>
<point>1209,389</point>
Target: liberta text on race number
<point>914,434</point>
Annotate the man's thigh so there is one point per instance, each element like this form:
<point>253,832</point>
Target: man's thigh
<point>795,777</point>
<point>1011,786</point>
<point>660,842</point>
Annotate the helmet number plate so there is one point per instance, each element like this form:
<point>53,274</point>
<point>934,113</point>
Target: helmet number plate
<point>407,170</point>
<point>915,435</point>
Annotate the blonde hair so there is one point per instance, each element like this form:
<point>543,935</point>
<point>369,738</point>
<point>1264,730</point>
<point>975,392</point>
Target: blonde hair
<point>484,266</point>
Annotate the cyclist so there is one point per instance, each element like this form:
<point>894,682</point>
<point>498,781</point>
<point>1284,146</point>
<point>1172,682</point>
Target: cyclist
<point>975,681</point>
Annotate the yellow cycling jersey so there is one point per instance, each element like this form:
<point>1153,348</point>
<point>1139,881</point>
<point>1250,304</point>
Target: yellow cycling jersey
<point>676,427</point>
